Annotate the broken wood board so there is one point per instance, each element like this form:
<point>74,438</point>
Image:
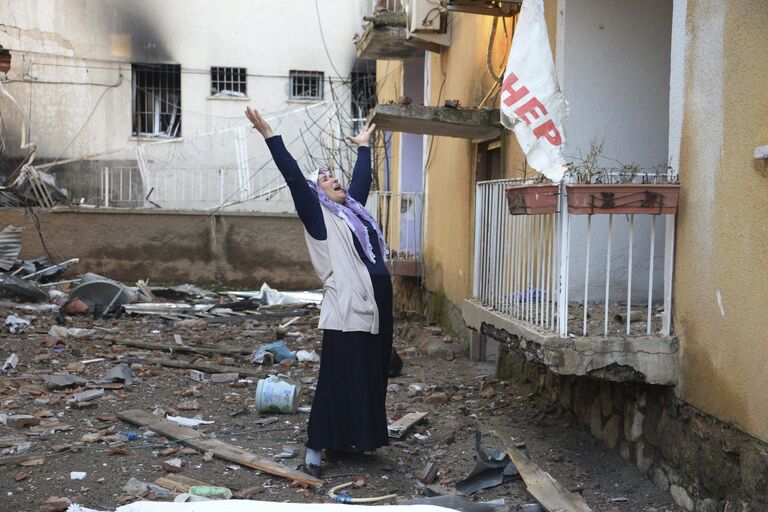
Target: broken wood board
<point>194,349</point>
<point>219,448</point>
<point>203,367</point>
<point>542,486</point>
<point>399,428</point>
<point>8,441</point>
<point>17,459</point>
<point>178,483</point>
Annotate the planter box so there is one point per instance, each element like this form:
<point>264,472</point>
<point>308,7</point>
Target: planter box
<point>532,199</point>
<point>627,198</point>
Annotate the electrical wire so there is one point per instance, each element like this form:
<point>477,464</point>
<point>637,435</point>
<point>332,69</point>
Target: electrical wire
<point>322,37</point>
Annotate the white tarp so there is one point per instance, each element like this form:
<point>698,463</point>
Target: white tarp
<point>258,506</point>
<point>532,104</point>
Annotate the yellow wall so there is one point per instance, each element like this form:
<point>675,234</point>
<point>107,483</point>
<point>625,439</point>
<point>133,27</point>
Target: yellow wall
<point>721,283</point>
<point>458,73</point>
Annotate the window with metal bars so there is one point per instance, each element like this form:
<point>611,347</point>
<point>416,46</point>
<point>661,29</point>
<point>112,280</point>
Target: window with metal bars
<point>306,85</point>
<point>156,100</point>
<point>228,82</point>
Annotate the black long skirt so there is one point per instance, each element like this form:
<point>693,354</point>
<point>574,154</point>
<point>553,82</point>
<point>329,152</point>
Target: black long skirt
<point>349,407</point>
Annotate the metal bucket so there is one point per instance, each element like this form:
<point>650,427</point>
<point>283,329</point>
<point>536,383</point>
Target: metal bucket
<point>277,394</point>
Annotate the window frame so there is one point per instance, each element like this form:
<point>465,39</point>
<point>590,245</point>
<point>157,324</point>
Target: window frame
<point>226,78</point>
<point>156,101</point>
<point>295,74</point>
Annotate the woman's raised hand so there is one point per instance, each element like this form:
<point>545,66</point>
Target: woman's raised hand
<point>258,122</point>
<point>364,137</point>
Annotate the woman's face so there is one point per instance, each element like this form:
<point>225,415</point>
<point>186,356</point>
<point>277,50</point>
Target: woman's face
<point>332,188</point>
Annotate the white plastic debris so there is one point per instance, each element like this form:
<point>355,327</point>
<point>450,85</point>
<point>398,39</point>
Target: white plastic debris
<point>188,422</point>
<point>59,331</point>
<point>16,324</point>
<point>306,356</point>
<point>77,475</point>
<point>10,363</point>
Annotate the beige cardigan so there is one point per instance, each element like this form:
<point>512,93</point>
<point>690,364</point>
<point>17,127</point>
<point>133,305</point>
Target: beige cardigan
<point>348,300</point>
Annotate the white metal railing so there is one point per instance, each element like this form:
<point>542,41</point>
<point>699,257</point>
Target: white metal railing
<point>400,216</point>
<point>526,267</point>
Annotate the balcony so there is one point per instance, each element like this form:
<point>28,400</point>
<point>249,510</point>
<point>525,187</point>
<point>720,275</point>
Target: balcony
<point>400,216</point>
<point>401,29</point>
<point>582,294</point>
<point>468,123</point>
<point>384,31</point>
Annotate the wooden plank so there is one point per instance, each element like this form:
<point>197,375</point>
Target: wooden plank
<point>15,459</point>
<point>399,428</point>
<point>203,367</point>
<point>178,483</point>
<point>13,440</point>
<point>219,448</point>
<point>548,491</point>
<point>193,349</point>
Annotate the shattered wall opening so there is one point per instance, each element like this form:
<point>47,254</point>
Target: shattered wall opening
<point>156,100</point>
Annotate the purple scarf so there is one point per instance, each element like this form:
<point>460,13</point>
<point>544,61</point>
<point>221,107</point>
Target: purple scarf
<point>351,212</point>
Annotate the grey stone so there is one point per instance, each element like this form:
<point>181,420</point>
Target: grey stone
<point>633,422</point>
<point>754,468</point>
<point>643,457</point>
<point>624,450</point>
<point>708,505</point>
<point>62,381</point>
<point>606,401</point>
<point>682,498</point>
<point>121,372</point>
<point>596,420</point>
<point>612,431</point>
<point>660,479</point>
<point>672,474</point>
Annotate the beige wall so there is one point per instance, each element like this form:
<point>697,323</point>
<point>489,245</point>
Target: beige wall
<point>721,284</point>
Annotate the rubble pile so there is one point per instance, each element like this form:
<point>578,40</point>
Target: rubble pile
<point>114,393</point>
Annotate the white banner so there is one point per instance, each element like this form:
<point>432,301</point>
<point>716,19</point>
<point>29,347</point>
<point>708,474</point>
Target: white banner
<point>532,104</point>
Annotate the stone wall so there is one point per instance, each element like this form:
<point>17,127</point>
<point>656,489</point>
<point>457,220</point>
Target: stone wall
<point>222,249</point>
<point>707,465</point>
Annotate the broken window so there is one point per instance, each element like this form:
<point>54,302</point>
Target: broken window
<point>306,85</point>
<point>156,100</point>
<point>363,96</point>
<point>228,82</point>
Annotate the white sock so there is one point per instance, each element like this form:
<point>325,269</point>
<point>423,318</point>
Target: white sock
<point>313,457</point>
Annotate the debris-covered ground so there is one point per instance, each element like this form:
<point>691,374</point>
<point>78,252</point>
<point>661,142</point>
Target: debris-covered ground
<point>62,440</point>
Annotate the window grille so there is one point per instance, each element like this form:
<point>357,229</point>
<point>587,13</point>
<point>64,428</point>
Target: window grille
<point>156,100</point>
<point>228,82</point>
<point>306,85</point>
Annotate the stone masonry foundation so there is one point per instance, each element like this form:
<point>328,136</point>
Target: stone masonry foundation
<point>706,465</point>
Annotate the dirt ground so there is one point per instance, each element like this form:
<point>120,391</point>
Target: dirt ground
<point>460,396</point>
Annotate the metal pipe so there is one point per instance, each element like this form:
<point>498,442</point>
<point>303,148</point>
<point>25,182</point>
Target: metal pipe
<point>650,276</point>
<point>585,330</point>
<point>608,273</point>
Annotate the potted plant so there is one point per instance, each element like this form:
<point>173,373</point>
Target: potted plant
<point>532,199</point>
<point>626,189</point>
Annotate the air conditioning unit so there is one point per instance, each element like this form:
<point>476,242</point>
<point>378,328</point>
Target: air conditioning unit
<point>426,16</point>
<point>427,24</point>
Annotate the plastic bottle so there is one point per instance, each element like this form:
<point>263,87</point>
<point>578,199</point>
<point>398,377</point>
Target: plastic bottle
<point>211,492</point>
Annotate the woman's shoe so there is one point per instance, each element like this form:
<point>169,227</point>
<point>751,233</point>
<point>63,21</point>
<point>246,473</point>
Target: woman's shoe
<point>310,469</point>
